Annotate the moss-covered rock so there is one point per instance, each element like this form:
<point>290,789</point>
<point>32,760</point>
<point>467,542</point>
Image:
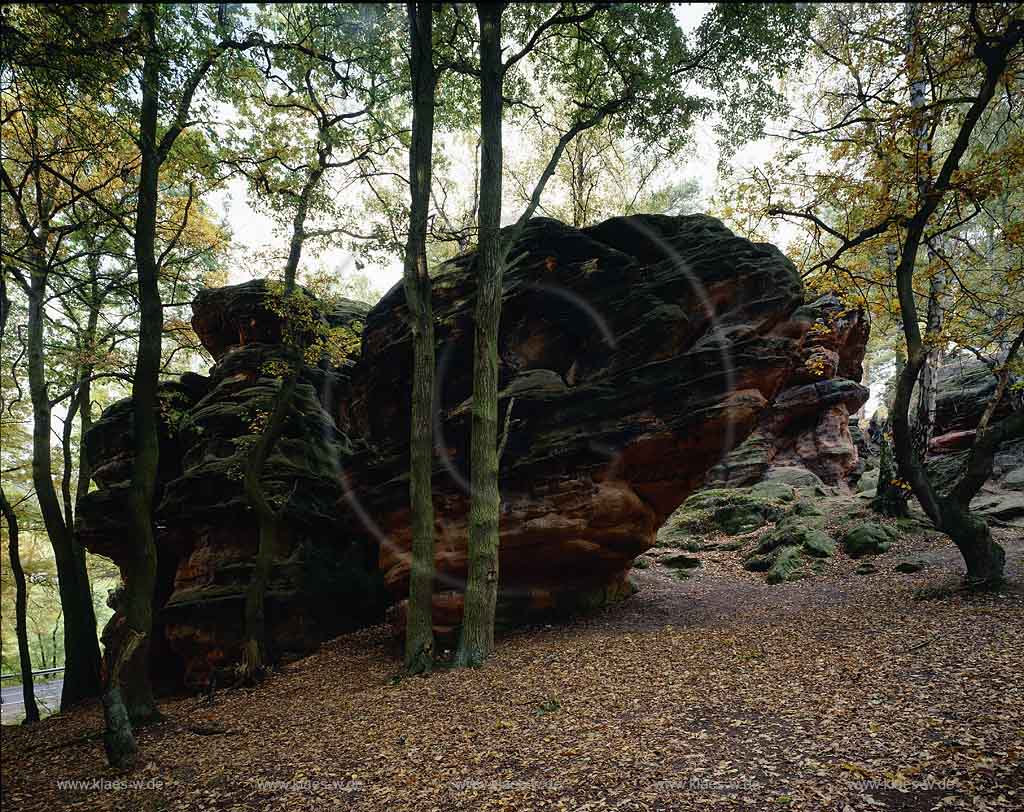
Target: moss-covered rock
<point>793,475</point>
<point>730,510</point>
<point>773,489</point>
<point>798,531</point>
<point>785,565</point>
<point>871,538</point>
<point>868,482</point>
<point>817,544</point>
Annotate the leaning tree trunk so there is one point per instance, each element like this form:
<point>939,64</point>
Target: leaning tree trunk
<point>20,605</point>
<point>140,570</point>
<point>419,629</point>
<point>118,737</point>
<point>81,649</point>
<point>20,587</point>
<point>476,640</point>
<point>950,512</point>
<point>270,522</point>
<point>924,414</point>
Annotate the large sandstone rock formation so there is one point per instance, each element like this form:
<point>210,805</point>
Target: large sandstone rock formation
<point>807,428</point>
<point>633,355</point>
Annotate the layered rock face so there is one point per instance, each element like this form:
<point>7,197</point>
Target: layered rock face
<point>632,356</point>
<point>323,582</point>
<point>807,427</point>
<point>964,387</point>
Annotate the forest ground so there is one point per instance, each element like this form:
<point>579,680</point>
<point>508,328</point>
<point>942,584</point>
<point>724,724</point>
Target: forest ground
<point>717,691</point>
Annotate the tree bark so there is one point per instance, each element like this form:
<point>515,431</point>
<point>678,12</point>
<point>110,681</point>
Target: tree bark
<point>419,630</point>
<point>924,415</point>
<point>20,607</point>
<point>140,570</point>
<point>950,513</point>
<point>476,640</point>
<point>270,520</point>
<point>85,385</point>
<point>81,649</point>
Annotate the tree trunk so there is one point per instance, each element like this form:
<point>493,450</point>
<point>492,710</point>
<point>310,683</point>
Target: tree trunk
<point>950,512</point>
<point>924,416</point>
<point>118,737</point>
<point>270,519</point>
<point>140,571</point>
<point>890,499</point>
<point>476,640</point>
<point>419,630</point>
<point>65,446</point>
<point>85,387</point>
<point>20,605</point>
<point>81,649</point>
<point>984,558</point>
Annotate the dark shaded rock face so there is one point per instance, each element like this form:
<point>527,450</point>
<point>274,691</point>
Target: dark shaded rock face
<point>964,387</point>
<point>324,581</point>
<point>808,423</point>
<point>633,355</point>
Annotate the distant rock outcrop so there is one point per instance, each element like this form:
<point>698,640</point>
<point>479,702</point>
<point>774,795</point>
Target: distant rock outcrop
<point>963,389</point>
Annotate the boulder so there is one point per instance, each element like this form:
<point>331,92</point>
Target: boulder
<point>868,481</point>
<point>729,510</point>
<point>616,404</point>
<point>804,532</point>
<point>633,356</point>
<point>870,538</point>
<point>793,475</point>
<point>1014,479</point>
<point>785,566</point>
<point>964,387</point>
<point>682,562</point>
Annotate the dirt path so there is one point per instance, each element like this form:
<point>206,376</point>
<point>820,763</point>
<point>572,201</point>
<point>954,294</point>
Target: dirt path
<point>839,692</point>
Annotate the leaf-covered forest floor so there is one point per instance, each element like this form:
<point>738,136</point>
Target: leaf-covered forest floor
<point>839,692</point>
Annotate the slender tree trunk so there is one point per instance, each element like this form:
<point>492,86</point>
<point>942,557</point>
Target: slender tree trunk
<point>20,607</point>
<point>924,414</point>
<point>419,630</point>
<point>67,469</point>
<point>140,570</point>
<point>81,649</point>
<point>890,499</point>
<point>85,385</point>
<point>476,639</point>
<point>270,520</point>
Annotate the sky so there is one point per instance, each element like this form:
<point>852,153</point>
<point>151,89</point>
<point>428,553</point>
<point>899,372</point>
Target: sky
<point>254,232</point>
